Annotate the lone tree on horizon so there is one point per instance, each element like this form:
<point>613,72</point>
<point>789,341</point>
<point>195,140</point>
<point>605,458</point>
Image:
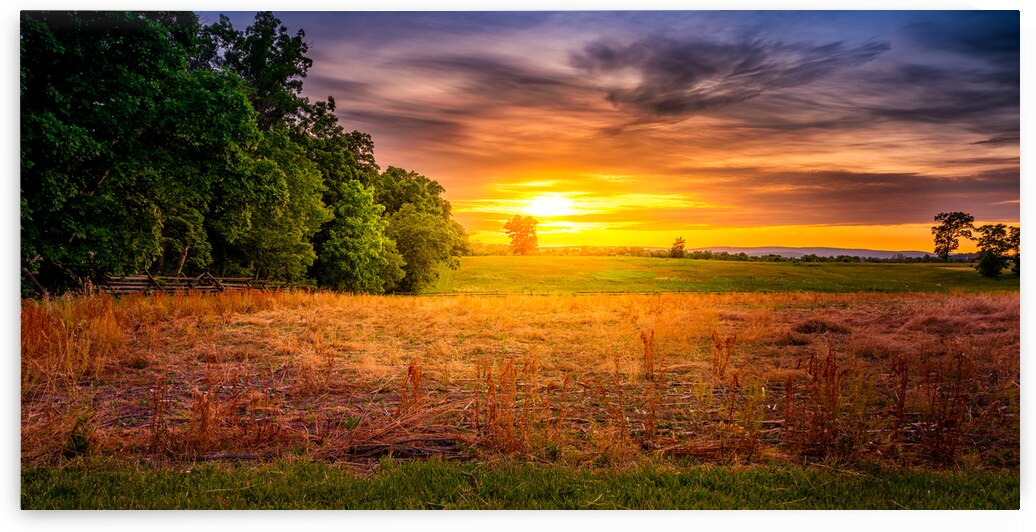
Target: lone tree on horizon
<point>954,226</point>
<point>522,231</point>
<point>677,251</point>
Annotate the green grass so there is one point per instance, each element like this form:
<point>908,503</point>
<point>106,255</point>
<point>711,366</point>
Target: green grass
<point>544,274</point>
<point>301,484</point>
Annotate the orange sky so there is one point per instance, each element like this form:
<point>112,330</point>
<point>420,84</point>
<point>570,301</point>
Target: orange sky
<point>838,129</point>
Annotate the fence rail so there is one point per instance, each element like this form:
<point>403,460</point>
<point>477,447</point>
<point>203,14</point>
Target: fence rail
<point>204,283</point>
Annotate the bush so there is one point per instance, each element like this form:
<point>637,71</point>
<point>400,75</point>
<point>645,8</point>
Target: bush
<point>989,264</point>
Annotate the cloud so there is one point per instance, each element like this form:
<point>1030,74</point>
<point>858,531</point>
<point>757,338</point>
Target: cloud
<point>838,197</point>
<point>667,77</point>
<point>428,127</point>
<point>486,78</point>
<point>720,118</point>
<point>978,101</point>
<point>1002,139</point>
<point>957,70</point>
<point>992,36</point>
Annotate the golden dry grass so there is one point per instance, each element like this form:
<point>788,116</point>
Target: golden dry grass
<point>915,378</point>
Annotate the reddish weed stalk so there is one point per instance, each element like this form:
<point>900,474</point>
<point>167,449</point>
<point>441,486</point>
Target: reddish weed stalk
<point>648,337</point>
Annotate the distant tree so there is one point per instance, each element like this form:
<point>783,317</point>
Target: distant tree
<point>522,232</point>
<point>953,226</point>
<point>989,264</point>
<point>998,245</point>
<point>677,251</point>
<point>1014,239</point>
<point>995,238</point>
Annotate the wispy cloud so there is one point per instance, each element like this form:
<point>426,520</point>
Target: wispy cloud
<point>671,77</point>
<point>662,121</point>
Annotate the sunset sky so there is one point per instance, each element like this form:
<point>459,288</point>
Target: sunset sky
<point>843,129</point>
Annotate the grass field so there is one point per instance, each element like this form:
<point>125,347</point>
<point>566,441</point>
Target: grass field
<point>900,383</point>
<point>303,484</point>
<point>561,275</point>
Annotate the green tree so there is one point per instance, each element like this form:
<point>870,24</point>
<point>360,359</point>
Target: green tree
<point>272,62</point>
<point>522,232</point>
<point>677,251</point>
<point>352,250</point>
<point>286,210</point>
<point>397,187</point>
<point>150,142</point>
<point>997,245</point>
<point>952,227</point>
<point>355,254</point>
<point>1014,240</point>
<point>121,141</point>
<point>414,206</point>
<point>426,242</point>
<point>989,264</point>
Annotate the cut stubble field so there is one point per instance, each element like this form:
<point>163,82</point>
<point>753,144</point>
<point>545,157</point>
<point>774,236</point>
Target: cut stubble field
<point>898,382</point>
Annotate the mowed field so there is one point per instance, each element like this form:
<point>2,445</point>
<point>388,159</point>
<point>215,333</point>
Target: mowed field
<point>568,275</point>
<point>577,393</point>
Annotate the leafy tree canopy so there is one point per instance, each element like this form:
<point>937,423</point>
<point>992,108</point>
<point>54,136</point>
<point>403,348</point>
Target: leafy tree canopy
<point>677,251</point>
<point>272,62</point>
<point>953,226</point>
<point>150,142</point>
<point>522,232</point>
<point>355,254</point>
<point>121,140</point>
<point>998,246</point>
<point>426,242</point>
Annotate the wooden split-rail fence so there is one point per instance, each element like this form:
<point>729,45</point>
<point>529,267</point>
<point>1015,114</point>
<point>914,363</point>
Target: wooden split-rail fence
<point>204,283</point>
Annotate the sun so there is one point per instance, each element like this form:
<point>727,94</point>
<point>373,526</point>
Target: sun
<point>549,205</point>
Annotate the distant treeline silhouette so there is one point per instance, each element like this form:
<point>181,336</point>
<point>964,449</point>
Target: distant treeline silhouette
<point>480,249</point>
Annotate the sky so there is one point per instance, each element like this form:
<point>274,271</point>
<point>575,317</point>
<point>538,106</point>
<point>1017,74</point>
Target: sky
<point>726,128</point>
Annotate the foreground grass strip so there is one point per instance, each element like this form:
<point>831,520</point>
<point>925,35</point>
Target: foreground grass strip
<point>300,484</point>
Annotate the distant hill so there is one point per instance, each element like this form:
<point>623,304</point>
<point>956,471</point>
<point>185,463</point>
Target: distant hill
<point>795,253</point>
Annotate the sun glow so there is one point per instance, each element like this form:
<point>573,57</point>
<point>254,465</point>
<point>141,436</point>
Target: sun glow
<point>549,205</point>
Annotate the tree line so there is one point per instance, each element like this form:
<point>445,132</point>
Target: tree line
<point>999,245</point>
<point>482,249</point>
<point>151,142</point>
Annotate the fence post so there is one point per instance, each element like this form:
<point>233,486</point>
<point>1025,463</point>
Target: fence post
<point>154,282</point>
<point>35,284</point>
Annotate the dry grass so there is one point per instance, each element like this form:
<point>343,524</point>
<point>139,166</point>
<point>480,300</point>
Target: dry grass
<point>914,379</point>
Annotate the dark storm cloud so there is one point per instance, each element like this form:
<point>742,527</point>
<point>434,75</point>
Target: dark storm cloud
<point>990,35</point>
<point>686,77</point>
<point>954,70</point>
<point>944,105</point>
